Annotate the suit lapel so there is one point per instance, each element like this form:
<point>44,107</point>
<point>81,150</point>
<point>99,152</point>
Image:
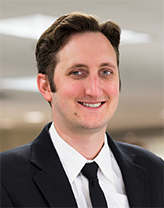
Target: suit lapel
<point>134,176</point>
<point>51,179</point>
<point>136,185</point>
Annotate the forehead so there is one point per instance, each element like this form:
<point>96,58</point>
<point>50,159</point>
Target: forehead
<point>88,45</point>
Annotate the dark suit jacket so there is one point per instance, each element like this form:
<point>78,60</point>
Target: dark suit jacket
<point>33,176</point>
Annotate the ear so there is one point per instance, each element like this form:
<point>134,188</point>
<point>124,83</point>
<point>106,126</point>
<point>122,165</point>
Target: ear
<point>44,86</point>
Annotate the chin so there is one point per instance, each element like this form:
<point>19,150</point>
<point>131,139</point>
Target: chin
<point>94,126</point>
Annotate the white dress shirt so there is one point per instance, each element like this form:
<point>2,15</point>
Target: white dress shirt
<point>109,173</point>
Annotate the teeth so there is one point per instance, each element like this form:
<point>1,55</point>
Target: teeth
<point>96,105</point>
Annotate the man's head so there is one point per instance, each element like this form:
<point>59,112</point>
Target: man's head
<point>78,62</point>
<point>59,33</point>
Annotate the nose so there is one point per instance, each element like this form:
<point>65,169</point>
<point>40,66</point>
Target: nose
<point>93,86</point>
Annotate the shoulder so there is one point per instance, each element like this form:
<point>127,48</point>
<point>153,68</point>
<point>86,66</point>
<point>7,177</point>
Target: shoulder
<point>19,155</point>
<point>135,154</point>
<point>22,153</point>
<point>137,150</point>
<point>141,157</point>
<point>15,166</point>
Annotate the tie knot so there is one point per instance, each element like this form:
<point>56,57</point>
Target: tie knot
<point>90,170</point>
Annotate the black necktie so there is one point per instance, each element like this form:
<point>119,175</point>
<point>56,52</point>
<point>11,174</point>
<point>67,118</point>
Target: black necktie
<point>96,194</point>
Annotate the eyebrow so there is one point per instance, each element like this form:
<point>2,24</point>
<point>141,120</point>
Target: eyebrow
<point>79,65</point>
<point>108,64</point>
<point>101,65</point>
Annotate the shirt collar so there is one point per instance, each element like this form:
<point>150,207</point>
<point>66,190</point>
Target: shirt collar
<point>103,159</point>
<point>73,161</point>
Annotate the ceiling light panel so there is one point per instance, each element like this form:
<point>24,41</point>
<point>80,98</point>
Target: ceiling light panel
<point>32,26</point>
<point>21,83</point>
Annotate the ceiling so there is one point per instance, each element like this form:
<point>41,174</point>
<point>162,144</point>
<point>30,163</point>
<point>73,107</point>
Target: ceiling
<point>141,98</point>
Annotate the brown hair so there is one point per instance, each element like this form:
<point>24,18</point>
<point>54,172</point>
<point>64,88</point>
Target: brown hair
<point>58,34</point>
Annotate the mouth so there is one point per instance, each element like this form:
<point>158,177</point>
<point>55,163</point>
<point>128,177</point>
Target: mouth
<point>92,105</point>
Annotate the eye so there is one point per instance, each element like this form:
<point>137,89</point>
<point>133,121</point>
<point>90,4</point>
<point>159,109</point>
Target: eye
<point>76,73</point>
<point>105,72</point>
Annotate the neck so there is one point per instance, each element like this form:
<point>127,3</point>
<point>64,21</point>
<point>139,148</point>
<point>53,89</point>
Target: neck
<point>88,143</point>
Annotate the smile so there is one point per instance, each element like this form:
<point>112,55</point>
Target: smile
<point>92,105</point>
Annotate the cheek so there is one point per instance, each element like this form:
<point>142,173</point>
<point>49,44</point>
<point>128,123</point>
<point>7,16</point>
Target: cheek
<point>113,90</point>
<point>68,92</point>
<point>72,90</point>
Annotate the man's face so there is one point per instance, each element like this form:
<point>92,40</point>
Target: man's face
<point>87,83</point>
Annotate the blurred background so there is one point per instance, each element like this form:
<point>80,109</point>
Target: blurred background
<point>140,115</point>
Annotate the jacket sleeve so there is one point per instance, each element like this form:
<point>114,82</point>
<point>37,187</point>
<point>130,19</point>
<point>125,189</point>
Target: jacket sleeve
<point>5,198</point>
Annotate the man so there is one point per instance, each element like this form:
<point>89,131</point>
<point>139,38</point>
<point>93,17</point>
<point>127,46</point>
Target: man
<point>78,60</point>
